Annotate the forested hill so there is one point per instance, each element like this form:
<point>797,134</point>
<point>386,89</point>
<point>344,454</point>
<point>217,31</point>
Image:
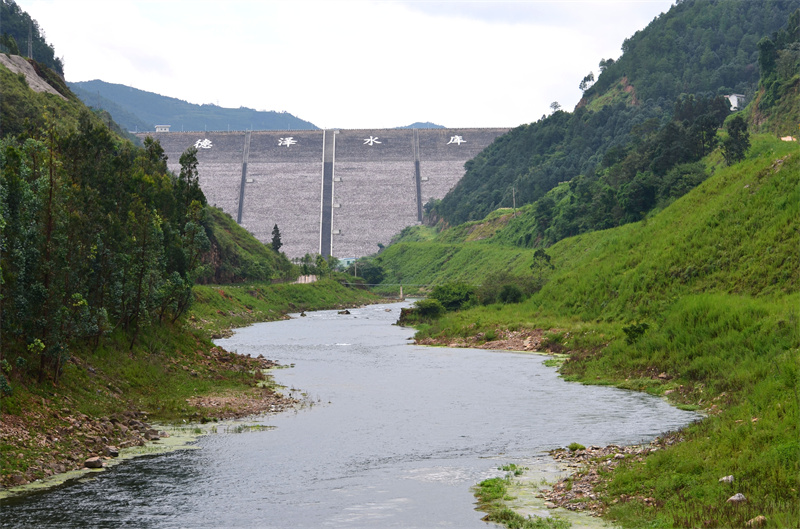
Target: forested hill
<point>16,26</point>
<point>702,49</point>
<point>136,109</point>
<point>97,236</point>
<point>698,46</point>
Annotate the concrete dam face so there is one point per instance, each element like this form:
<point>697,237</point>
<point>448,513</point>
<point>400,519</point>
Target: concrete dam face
<point>332,192</point>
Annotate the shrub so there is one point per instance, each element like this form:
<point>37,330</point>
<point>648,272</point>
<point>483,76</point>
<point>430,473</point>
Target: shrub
<point>455,296</point>
<point>634,332</point>
<point>5,387</point>
<point>510,294</point>
<point>429,308</point>
<point>423,310</point>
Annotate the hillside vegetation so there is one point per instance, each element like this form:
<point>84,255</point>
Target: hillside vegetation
<point>662,91</point>
<point>100,251</point>
<point>669,265</point>
<point>16,26</point>
<point>699,302</point>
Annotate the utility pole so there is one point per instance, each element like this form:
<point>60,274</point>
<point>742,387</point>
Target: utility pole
<point>514,200</point>
<point>30,39</point>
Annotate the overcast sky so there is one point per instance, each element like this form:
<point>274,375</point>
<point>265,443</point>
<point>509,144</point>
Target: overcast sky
<point>348,64</point>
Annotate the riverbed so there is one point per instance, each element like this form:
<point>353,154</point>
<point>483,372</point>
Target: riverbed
<point>389,435</point>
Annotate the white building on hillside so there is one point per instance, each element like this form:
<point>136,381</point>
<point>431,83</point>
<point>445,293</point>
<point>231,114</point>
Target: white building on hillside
<point>736,101</point>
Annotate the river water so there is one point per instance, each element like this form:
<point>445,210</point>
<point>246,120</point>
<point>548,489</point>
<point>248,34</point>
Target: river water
<point>396,436</point>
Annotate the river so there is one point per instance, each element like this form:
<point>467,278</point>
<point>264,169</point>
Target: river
<point>392,435</point>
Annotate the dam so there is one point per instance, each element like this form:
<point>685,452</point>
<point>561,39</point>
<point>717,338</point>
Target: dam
<point>339,192</point>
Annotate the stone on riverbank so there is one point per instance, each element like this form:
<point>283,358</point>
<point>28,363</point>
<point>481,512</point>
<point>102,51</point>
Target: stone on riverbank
<point>93,462</point>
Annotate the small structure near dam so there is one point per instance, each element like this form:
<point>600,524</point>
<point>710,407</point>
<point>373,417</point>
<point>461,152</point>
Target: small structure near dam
<point>332,192</point>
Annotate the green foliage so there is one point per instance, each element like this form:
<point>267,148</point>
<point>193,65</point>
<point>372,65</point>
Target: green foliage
<point>714,274</point>
<point>575,446</point>
<point>96,233</point>
<point>697,46</point>
<point>735,146</point>
<point>696,52</point>
<point>220,307</point>
<point>370,269</point>
<point>507,287</point>
<point>634,332</point>
<point>236,256</point>
<point>776,106</point>
<point>510,294</point>
<point>276,239</point>
<point>5,387</point>
<point>8,44</point>
<point>429,308</point>
<point>17,25</point>
<point>423,311</point>
<point>455,296</point>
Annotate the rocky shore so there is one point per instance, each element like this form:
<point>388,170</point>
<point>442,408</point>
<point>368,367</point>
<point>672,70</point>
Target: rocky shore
<point>56,438</point>
<point>590,466</point>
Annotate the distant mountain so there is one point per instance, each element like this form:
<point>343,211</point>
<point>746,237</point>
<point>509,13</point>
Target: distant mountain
<point>140,110</point>
<point>421,125</point>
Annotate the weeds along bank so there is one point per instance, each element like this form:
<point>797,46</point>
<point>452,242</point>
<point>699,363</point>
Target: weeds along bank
<point>172,373</point>
<point>698,304</point>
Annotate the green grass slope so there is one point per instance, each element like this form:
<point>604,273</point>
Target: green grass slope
<point>237,256</point>
<point>715,278</point>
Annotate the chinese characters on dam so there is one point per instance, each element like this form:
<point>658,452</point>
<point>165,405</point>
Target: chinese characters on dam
<point>379,180</point>
<point>289,141</point>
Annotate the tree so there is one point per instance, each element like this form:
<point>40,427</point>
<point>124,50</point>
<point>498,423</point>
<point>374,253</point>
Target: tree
<point>555,106</point>
<point>587,82</point>
<point>276,239</point>
<point>605,63</point>
<point>735,146</point>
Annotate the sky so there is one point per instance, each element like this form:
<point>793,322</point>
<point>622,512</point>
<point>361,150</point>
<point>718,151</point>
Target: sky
<point>349,64</point>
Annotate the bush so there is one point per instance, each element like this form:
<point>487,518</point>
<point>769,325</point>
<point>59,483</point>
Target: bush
<point>510,294</point>
<point>429,308</point>
<point>634,332</point>
<point>5,387</point>
<point>424,310</point>
<point>455,296</point>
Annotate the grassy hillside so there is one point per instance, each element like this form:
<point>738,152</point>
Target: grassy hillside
<point>235,255</point>
<point>714,277</point>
